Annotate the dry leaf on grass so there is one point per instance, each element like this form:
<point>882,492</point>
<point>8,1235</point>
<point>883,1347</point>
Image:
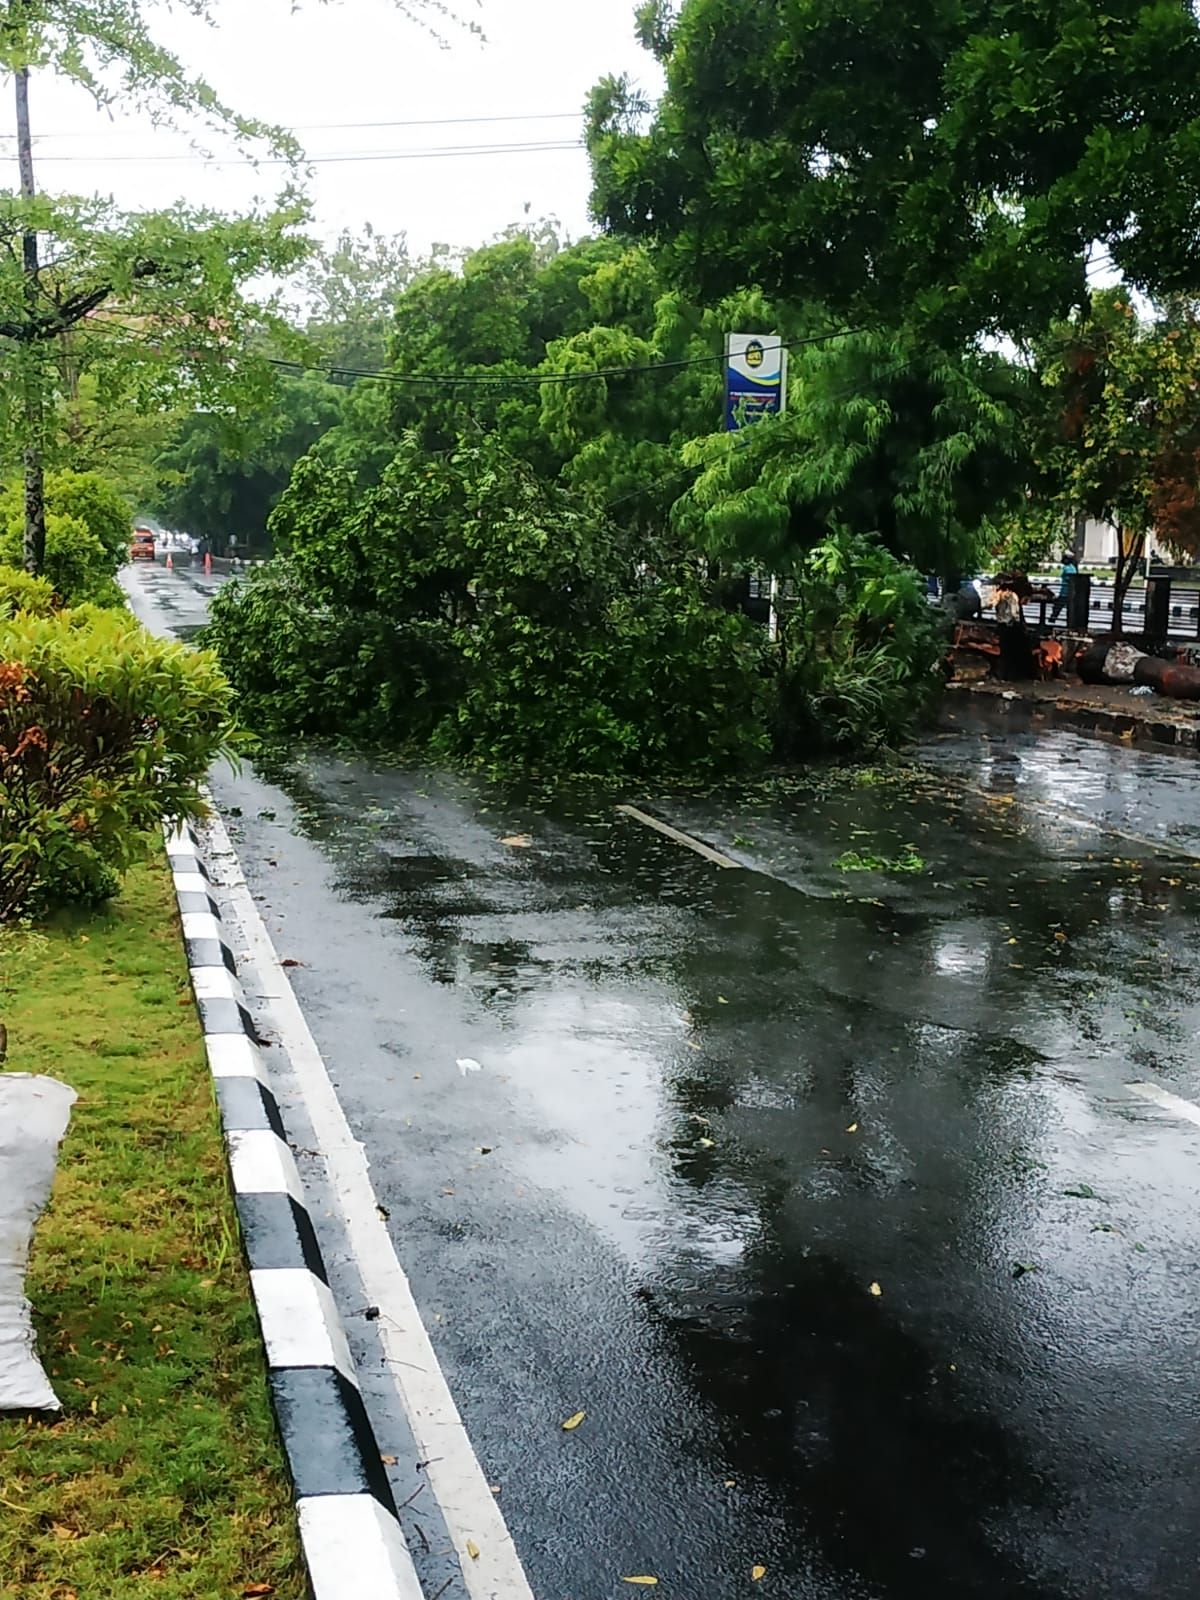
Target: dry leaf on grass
<point>876,1290</point>
<point>758,1573</point>
<point>572,1423</point>
<point>518,841</point>
<point>646,1582</point>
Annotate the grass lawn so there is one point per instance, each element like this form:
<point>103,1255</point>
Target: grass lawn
<point>164,1477</point>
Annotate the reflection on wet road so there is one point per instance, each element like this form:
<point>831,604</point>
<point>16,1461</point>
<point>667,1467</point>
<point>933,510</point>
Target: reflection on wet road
<point>821,1191</point>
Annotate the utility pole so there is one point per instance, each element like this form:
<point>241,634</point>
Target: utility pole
<point>35,469</point>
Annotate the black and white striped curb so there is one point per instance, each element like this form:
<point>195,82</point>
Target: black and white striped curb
<point>352,1539</point>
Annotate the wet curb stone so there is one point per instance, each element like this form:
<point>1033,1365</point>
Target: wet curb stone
<point>351,1535</point>
<point>1089,718</point>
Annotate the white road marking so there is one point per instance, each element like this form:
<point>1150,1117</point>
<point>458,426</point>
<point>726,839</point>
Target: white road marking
<point>668,832</point>
<point>452,1467</point>
<point>1168,1101</point>
<point>300,1323</point>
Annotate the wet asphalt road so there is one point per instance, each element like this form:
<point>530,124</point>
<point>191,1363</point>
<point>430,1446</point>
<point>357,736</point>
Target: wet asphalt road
<point>717,1111</point>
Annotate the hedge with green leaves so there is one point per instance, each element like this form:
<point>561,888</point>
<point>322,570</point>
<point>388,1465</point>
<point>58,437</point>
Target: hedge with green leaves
<point>21,592</point>
<point>104,732</point>
<point>88,526</point>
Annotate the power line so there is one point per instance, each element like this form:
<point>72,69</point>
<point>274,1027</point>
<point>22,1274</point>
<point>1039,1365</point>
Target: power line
<point>410,122</point>
<point>490,380</point>
<point>532,147</point>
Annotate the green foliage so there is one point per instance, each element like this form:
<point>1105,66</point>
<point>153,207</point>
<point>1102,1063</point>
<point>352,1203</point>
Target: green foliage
<point>136,311</point>
<point>1122,398</point>
<point>1121,424</point>
<point>104,731</point>
<point>944,165</point>
<point>413,604</point>
<point>93,500</point>
<point>222,475</point>
<point>324,668</point>
<point>1029,539</point>
<point>884,438</point>
<point>464,605</point>
<point>352,290</point>
<point>21,592</point>
<point>88,527</point>
<point>863,650</point>
<point>857,861</point>
<point>493,315</point>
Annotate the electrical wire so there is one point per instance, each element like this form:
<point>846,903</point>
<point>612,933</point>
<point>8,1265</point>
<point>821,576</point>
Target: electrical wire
<point>534,380</point>
<point>328,127</point>
<point>531,147</point>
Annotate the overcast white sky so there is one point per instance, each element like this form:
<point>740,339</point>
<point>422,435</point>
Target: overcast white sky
<point>361,61</point>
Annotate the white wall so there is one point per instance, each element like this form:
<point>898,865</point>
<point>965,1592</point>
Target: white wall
<point>1100,544</point>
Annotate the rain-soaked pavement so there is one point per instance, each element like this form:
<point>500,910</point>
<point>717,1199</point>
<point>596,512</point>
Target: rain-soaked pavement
<point>822,1191</point>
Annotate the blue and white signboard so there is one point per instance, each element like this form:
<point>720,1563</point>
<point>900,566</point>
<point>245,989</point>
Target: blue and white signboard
<point>755,378</point>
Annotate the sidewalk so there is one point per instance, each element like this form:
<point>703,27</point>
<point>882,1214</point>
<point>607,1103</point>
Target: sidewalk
<point>1114,712</point>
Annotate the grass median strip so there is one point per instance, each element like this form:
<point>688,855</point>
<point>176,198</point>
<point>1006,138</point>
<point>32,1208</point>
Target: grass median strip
<point>164,1475</point>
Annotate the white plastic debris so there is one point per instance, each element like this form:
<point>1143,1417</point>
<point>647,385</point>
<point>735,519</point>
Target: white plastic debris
<point>34,1113</point>
<point>466,1065</point>
<point>1120,662</point>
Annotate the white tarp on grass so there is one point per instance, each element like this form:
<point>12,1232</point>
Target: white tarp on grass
<point>34,1113</point>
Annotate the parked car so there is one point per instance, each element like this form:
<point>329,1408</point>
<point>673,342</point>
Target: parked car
<point>141,546</point>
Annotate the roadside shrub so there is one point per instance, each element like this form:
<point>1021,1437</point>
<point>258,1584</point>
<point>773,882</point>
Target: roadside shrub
<point>863,649</point>
<point>98,504</point>
<point>104,731</point>
<point>88,526</point>
<point>21,592</point>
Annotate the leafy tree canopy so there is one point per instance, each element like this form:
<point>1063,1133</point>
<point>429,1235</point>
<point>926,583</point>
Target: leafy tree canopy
<point>946,164</point>
<point>1121,423</point>
<point>884,439</point>
<point>158,308</point>
<point>223,476</point>
<point>464,604</point>
<point>351,290</point>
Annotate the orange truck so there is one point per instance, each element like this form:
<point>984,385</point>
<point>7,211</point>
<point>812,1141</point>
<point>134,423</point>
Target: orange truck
<point>141,546</point>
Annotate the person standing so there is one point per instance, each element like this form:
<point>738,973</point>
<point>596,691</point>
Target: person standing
<point>1070,570</point>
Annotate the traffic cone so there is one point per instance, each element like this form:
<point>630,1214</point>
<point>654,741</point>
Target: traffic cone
<point>208,563</point>
<point>170,563</point>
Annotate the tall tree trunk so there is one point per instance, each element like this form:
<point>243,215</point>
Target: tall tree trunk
<point>1127,565</point>
<point>35,471</point>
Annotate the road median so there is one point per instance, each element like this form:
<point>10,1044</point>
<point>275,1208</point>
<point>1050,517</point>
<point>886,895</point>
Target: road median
<point>165,1469</point>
